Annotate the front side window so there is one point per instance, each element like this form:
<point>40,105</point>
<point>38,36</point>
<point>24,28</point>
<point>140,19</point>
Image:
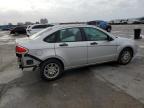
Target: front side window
<point>93,34</point>
<point>70,35</point>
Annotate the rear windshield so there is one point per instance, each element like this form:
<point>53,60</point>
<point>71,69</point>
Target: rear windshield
<point>34,36</point>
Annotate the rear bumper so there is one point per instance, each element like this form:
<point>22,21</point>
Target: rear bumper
<point>27,60</point>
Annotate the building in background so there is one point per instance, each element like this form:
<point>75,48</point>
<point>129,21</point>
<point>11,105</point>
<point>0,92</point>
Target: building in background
<point>28,23</point>
<point>20,23</point>
<point>43,21</point>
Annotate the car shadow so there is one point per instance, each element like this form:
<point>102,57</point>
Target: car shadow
<point>86,70</point>
<point>31,77</point>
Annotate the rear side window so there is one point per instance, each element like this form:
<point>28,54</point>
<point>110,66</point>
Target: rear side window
<point>52,38</point>
<point>70,35</point>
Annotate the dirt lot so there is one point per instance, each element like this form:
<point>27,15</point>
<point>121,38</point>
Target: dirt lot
<point>101,86</point>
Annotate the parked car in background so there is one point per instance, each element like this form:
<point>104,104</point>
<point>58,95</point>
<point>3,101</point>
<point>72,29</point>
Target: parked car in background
<point>142,20</point>
<point>18,30</point>
<point>102,24</point>
<point>7,27</point>
<point>63,47</point>
<point>32,29</point>
<point>28,28</point>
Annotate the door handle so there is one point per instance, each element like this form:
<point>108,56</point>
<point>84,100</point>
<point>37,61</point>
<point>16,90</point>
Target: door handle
<point>63,44</point>
<point>93,43</point>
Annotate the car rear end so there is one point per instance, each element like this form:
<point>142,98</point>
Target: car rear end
<point>24,54</point>
<point>20,52</point>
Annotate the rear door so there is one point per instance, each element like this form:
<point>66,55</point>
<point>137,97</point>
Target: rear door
<point>100,49</point>
<point>71,47</point>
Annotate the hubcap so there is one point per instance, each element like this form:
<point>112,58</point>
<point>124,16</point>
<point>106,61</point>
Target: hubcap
<point>51,70</point>
<point>126,57</point>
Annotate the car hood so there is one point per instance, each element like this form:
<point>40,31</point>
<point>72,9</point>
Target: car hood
<point>121,40</point>
<point>124,39</point>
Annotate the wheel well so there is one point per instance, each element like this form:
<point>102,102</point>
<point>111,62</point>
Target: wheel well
<point>131,49</point>
<point>53,59</point>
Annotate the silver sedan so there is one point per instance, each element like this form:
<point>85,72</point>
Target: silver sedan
<point>63,47</point>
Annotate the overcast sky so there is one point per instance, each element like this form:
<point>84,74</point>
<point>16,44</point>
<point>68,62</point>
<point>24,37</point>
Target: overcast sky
<point>68,10</point>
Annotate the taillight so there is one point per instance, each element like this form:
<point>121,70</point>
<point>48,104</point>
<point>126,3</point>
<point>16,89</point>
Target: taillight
<point>21,50</point>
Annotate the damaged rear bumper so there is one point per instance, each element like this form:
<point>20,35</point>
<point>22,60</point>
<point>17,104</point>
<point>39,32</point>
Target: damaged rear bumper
<point>27,60</point>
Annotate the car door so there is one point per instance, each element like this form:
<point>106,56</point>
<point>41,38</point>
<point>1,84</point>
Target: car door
<point>71,47</point>
<point>101,47</point>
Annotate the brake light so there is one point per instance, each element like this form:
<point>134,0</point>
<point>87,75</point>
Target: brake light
<point>21,50</point>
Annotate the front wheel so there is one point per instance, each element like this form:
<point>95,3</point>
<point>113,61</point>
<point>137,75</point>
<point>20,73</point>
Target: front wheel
<point>125,56</point>
<point>51,69</point>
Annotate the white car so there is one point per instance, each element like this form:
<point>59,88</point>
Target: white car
<point>32,29</point>
<point>63,47</point>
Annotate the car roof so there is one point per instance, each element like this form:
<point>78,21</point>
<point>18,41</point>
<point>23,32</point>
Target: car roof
<point>71,26</point>
<point>60,27</point>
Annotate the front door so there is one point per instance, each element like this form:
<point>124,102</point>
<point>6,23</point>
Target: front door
<point>100,49</point>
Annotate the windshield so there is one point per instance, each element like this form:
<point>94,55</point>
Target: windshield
<point>34,36</point>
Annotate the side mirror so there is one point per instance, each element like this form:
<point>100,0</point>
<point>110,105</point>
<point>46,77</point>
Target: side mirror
<point>110,38</point>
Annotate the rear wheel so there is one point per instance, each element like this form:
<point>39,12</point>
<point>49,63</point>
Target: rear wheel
<point>51,69</point>
<point>125,56</point>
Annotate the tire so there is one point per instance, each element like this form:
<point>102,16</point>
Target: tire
<point>51,69</point>
<point>125,56</point>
